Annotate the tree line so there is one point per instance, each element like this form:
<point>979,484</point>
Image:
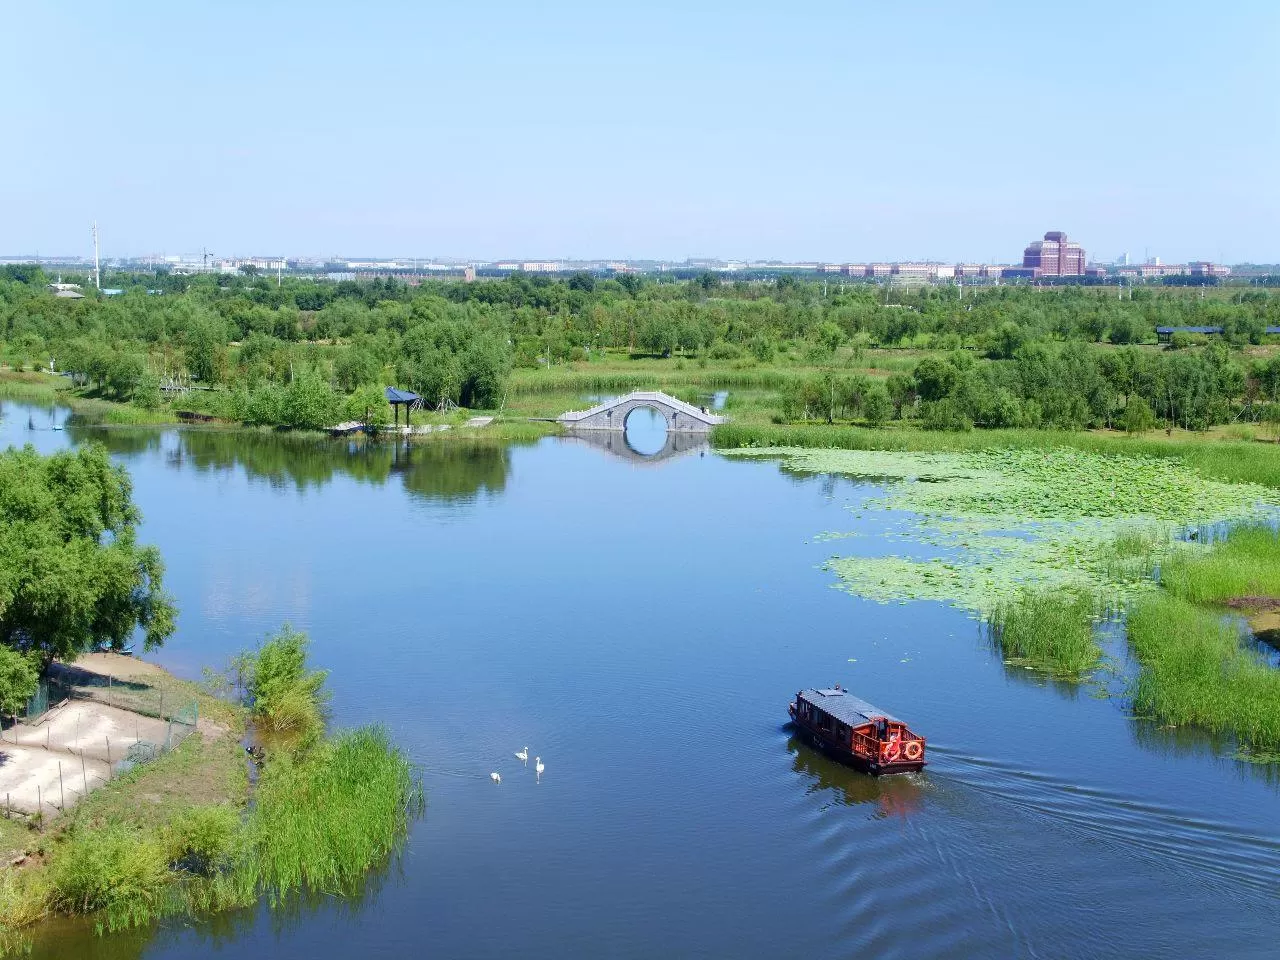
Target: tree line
<point>307,352</point>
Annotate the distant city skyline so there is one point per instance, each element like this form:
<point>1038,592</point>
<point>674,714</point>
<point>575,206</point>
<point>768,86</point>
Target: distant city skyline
<point>567,130</point>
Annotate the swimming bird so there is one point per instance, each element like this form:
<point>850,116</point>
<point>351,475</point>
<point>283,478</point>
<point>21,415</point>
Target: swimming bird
<point>538,765</point>
<point>523,755</point>
<point>495,777</point>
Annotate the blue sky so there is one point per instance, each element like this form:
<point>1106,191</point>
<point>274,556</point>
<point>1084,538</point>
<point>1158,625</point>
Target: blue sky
<point>830,131</point>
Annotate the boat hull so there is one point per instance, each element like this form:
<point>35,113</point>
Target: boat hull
<point>847,756</point>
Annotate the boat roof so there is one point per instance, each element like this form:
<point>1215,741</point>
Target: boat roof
<point>845,707</point>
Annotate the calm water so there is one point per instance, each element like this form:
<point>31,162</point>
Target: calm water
<point>641,624</point>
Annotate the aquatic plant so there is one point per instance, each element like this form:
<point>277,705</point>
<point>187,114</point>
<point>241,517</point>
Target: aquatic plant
<point>983,525</point>
<point>1195,671</point>
<point>1245,565</point>
<point>322,821</point>
<point>1049,630</point>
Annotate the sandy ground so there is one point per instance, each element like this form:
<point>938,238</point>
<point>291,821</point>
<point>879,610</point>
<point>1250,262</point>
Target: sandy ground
<point>83,736</point>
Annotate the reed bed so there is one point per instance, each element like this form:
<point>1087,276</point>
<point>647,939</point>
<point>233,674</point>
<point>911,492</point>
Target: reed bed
<point>1048,630</point>
<point>323,821</point>
<point>1246,565</point>
<point>1195,671</point>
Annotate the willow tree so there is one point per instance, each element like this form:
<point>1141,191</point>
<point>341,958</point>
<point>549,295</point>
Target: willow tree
<point>72,574</point>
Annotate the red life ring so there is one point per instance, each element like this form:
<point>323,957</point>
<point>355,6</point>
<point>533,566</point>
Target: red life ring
<point>890,751</point>
<point>914,750</point>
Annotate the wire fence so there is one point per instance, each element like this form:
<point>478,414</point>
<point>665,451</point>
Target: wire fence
<point>72,746</point>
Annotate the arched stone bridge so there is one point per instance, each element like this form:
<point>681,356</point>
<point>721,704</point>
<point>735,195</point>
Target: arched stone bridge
<point>681,417</point>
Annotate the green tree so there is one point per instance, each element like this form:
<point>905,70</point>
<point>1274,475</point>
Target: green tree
<point>1138,416</point>
<point>19,677</point>
<point>877,406</point>
<point>935,378</point>
<point>72,575</point>
<point>356,367</point>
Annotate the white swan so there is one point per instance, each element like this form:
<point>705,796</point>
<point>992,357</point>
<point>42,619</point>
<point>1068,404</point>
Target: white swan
<point>538,765</point>
<point>495,777</point>
<point>523,755</point>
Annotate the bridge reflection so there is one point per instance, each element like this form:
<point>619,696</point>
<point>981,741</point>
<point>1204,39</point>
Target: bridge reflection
<point>616,443</point>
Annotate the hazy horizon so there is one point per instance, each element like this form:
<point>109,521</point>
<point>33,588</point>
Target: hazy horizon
<point>569,131</point>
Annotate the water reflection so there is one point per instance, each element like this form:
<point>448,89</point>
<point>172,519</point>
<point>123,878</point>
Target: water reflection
<point>616,443</point>
<point>898,795</point>
<point>435,470</point>
<point>645,431</point>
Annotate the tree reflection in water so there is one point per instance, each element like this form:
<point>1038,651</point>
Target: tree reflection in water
<point>434,469</point>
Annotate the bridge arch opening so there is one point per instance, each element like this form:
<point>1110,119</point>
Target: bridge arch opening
<point>645,430</point>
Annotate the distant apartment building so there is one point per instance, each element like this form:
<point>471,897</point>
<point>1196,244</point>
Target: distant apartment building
<point>1203,268</point>
<point>1054,256</point>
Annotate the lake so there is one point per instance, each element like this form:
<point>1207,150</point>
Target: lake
<point>641,623</point>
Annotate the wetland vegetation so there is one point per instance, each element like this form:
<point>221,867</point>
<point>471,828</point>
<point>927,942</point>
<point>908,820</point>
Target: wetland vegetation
<point>176,836</point>
<point>309,353</point>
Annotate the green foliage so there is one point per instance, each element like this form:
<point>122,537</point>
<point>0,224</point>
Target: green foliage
<point>204,840</point>
<point>19,678</point>
<point>457,341</point>
<point>72,574</point>
<point>113,870</point>
<point>1049,630</point>
<point>284,695</point>
<point>1138,417</point>
<point>1246,564</point>
<point>1194,671</point>
<point>323,820</point>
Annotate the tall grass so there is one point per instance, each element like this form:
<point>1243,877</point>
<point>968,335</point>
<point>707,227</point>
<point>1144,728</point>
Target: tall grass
<point>1245,564</point>
<point>1194,670</point>
<point>321,822</point>
<point>115,872</point>
<point>1049,630</point>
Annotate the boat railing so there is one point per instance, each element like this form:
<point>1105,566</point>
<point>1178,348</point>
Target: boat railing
<point>864,744</point>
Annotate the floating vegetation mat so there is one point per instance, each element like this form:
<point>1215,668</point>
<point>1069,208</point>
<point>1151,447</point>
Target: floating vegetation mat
<point>982,525</point>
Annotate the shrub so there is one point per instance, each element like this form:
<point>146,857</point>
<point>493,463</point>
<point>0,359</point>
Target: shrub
<point>284,694</point>
<point>944,415</point>
<point>111,869</point>
<point>203,840</point>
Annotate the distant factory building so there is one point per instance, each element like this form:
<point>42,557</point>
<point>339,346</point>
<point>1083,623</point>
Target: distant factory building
<point>1054,256</point>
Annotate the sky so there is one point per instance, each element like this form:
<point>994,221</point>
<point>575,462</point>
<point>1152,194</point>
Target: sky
<point>831,131</point>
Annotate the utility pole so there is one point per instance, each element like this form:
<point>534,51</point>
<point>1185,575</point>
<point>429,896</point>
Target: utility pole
<point>97,273</point>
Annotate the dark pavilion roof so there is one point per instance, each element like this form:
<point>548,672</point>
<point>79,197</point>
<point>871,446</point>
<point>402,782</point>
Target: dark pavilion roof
<point>401,396</point>
<point>845,707</point>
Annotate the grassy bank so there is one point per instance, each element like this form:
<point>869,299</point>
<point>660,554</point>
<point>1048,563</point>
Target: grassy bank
<point>179,837</point>
<point>42,388</point>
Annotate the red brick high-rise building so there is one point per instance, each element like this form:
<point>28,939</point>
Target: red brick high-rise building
<point>1054,256</point>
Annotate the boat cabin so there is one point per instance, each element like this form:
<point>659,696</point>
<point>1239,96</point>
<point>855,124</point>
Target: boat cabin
<point>852,730</point>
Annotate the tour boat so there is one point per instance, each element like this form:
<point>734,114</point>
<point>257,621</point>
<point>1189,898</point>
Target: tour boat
<point>852,730</point>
